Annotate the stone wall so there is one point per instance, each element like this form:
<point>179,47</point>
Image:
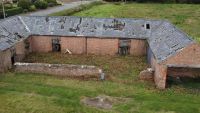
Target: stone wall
<point>138,47</point>
<point>5,60</point>
<point>63,70</point>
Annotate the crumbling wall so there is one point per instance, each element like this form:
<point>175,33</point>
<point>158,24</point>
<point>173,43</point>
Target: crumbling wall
<point>41,43</point>
<point>77,45</point>
<point>102,46</point>
<point>64,70</point>
<point>5,60</point>
<point>138,47</point>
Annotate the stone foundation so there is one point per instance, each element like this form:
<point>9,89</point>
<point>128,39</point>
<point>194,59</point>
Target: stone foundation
<point>63,70</point>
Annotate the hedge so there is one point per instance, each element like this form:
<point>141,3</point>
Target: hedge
<point>25,4</point>
<point>11,12</point>
<point>41,4</point>
<point>76,9</point>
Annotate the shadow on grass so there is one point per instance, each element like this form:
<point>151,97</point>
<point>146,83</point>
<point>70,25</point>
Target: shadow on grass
<point>193,84</point>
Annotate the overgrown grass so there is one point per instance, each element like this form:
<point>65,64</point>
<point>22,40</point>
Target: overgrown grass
<point>185,16</point>
<point>117,67</point>
<point>76,9</point>
<point>25,92</point>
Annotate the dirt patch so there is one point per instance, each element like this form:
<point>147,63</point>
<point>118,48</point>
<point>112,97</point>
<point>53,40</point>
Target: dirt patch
<point>103,102</point>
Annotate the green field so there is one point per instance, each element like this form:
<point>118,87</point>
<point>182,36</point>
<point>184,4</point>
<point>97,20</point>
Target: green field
<point>185,16</point>
<point>38,93</point>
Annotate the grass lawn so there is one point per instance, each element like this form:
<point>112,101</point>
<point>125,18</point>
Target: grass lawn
<point>185,16</point>
<point>25,92</point>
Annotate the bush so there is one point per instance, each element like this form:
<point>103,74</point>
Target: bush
<point>51,1</point>
<point>25,4</point>
<point>11,12</point>
<point>77,9</point>
<point>8,6</point>
<point>25,11</point>
<point>15,1</point>
<point>51,4</point>
<point>140,1</point>
<point>32,8</point>
<point>41,4</point>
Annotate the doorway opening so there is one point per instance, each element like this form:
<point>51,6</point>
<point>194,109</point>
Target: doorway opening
<point>13,60</point>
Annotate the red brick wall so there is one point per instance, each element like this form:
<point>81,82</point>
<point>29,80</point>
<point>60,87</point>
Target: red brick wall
<point>5,60</point>
<point>80,45</point>
<point>77,45</point>
<point>138,47</point>
<point>20,50</point>
<point>160,75</point>
<point>41,43</point>
<point>102,46</point>
<point>187,56</point>
<point>183,72</point>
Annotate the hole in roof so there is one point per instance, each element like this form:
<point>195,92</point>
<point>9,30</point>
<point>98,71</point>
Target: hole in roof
<point>147,26</point>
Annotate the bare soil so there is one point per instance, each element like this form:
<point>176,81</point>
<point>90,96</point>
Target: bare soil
<point>103,102</point>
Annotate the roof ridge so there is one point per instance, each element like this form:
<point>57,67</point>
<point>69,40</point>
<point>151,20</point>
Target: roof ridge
<point>22,21</point>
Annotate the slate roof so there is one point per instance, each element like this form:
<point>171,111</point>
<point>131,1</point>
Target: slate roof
<point>164,39</point>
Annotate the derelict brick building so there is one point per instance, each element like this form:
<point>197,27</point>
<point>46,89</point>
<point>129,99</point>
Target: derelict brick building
<point>169,51</point>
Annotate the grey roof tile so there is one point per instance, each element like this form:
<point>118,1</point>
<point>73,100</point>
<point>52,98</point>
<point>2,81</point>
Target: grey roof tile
<point>164,39</point>
<point>167,40</point>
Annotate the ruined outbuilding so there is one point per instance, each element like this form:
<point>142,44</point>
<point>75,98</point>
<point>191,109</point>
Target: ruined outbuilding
<point>169,50</point>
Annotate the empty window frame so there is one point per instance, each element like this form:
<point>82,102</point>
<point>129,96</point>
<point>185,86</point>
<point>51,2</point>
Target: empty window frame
<point>56,45</point>
<point>124,46</point>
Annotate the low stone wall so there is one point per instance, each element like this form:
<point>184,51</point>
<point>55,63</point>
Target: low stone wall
<point>63,70</point>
